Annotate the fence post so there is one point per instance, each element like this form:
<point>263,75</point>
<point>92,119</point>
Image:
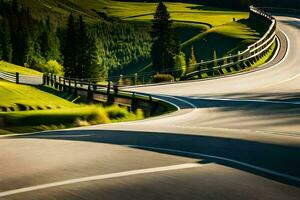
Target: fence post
<point>135,78</point>
<point>55,84</point>
<point>109,100</point>
<point>89,93</point>
<point>64,84</point>
<point>70,89</point>
<point>75,88</point>
<point>17,78</point>
<point>51,77</point>
<point>44,79</point>
<point>47,80</point>
<point>59,84</point>
<point>133,102</point>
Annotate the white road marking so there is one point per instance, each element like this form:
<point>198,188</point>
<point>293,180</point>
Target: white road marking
<point>102,177</point>
<point>261,169</point>
<point>63,136</point>
<point>248,100</point>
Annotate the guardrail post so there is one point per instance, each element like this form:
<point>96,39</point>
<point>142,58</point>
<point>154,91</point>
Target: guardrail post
<point>133,102</point>
<point>17,78</point>
<point>44,79</point>
<point>55,83</point>
<point>64,84</point>
<point>47,80</point>
<point>51,77</point>
<point>89,93</point>
<point>109,97</point>
<point>75,88</point>
<point>70,88</point>
<point>59,84</point>
<point>135,78</point>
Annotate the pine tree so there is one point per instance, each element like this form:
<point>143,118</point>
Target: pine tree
<point>5,42</point>
<point>83,43</point>
<point>180,65</point>
<point>95,67</point>
<point>49,42</point>
<point>70,48</point>
<point>192,60</point>
<point>215,59</point>
<point>165,43</point>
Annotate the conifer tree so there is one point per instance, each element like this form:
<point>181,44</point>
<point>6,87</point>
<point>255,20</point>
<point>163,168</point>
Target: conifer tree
<point>165,43</point>
<point>192,60</point>
<point>83,43</point>
<point>5,42</point>
<point>70,48</point>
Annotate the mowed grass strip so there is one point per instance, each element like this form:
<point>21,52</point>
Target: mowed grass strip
<point>178,11</point>
<point>14,97</point>
<point>84,115</point>
<point>8,67</point>
<point>26,109</point>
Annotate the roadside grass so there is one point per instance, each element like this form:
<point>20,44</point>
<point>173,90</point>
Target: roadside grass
<point>15,97</point>
<point>248,66</point>
<point>234,37</point>
<point>266,57</point>
<point>8,67</point>
<point>25,108</point>
<point>143,11</point>
<point>84,115</point>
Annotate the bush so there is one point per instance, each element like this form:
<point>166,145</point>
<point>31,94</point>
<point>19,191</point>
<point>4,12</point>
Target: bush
<point>159,78</point>
<point>52,66</point>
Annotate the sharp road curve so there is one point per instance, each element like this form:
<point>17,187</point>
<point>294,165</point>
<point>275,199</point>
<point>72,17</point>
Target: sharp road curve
<point>235,137</point>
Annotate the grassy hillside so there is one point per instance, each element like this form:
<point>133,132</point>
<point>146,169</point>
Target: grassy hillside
<point>179,11</point>
<point>8,67</point>
<point>192,22</point>
<point>25,109</point>
<point>234,36</point>
<point>23,97</point>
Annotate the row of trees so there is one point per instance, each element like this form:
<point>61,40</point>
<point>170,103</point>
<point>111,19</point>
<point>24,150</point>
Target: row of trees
<point>23,40</point>
<point>80,51</point>
<point>85,50</point>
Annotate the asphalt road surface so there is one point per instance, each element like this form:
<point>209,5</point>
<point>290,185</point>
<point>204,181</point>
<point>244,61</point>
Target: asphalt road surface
<point>233,138</point>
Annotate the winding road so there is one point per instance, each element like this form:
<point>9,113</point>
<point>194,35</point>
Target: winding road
<point>235,137</point>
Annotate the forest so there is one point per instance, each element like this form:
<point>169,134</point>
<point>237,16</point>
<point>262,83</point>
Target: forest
<point>84,49</point>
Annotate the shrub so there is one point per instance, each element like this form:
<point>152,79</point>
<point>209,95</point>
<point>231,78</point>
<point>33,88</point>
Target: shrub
<point>159,78</point>
<point>52,66</point>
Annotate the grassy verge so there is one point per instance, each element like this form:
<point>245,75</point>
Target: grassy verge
<point>8,67</point>
<point>15,97</point>
<point>85,115</point>
<point>27,109</point>
<point>247,66</point>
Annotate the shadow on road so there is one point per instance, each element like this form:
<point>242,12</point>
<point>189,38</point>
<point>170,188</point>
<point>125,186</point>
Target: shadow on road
<point>283,159</point>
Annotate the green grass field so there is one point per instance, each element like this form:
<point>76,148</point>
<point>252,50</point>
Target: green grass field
<point>178,11</point>
<point>8,67</point>
<point>25,108</point>
<point>224,39</point>
<point>15,97</point>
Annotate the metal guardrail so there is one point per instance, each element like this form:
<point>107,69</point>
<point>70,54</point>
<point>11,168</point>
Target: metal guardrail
<point>107,93</point>
<point>280,10</point>
<point>255,50</point>
<point>9,76</point>
<point>22,79</point>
